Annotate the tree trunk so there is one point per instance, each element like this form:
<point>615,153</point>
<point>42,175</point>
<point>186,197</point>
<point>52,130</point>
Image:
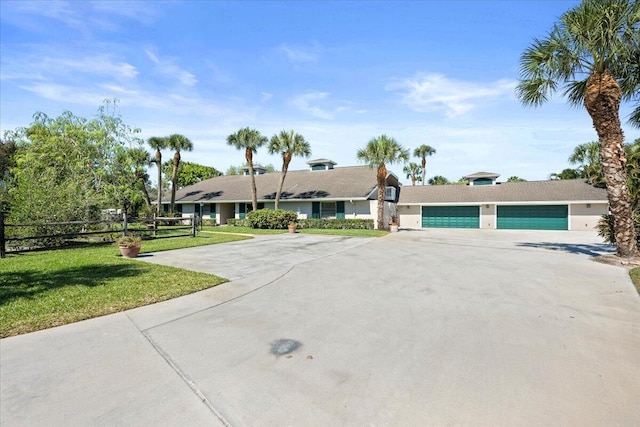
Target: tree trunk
<point>602,101</point>
<point>286,159</point>
<point>159,165</point>
<point>248,155</point>
<point>424,170</point>
<point>147,199</point>
<point>382,178</point>
<point>174,180</point>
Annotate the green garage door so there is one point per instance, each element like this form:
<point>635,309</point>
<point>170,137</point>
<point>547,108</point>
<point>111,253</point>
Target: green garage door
<point>451,216</point>
<point>552,217</point>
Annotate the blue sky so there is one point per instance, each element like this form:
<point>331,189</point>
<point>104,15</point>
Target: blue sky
<point>340,73</point>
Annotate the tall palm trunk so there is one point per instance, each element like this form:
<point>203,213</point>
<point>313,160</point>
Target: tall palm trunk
<point>141,179</point>
<point>159,166</point>
<point>602,101</point>
<point>174,179</point>
<point>413,180</point>
<point>286,159</point>
<point>248,155</point>
<point>382,178</point>
<point>424,170</point>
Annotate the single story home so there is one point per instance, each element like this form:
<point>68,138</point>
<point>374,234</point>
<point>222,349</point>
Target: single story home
<point>322,191</point>
<point>488,204</point>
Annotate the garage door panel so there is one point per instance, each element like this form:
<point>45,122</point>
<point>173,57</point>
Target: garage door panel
<point>543,217</point>
<point>451,216</point>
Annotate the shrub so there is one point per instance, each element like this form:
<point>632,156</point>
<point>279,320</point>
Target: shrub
<point>209,221</point>
<point>337,223</point>
<point>271,219</point>
<point>129,241</point>
<point>236,222</point>
<point>605,228</point>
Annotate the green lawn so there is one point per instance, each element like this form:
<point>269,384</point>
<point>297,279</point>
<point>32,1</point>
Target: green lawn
<point>635,277</point>
<point>242,230</point>
<point>39,290</point>
<point>333,232</point>
<point>352,233</point>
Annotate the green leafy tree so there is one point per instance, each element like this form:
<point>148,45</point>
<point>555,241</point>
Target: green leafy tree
<point>249,140</point>
<point>567,173</point>
<point>423,152</point>
<point>587,157</point>
<point>8,149</point>
<point>141,160</point>
<point>239,170</point>
<point>516,179</point>
<point>438,180</point>
<point>69,167</point>
<point>191,173</point>
<point>412,171</point>
<point>593,52</point>
<point>158,143</point>
<point>177,143</point>
<point>378,153</point>
<point>287,144</point>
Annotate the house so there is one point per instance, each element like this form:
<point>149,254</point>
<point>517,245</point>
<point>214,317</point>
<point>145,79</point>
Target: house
<point>322,191</point>
<point>488,204</point>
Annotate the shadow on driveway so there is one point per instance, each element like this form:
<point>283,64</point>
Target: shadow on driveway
<point>593,249</point>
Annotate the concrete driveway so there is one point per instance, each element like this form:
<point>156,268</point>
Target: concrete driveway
<point>426,327</point>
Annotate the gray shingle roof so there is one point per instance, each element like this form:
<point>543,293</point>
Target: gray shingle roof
<point>353,182</point>
<point>529,191</point>
<point>491,175</point>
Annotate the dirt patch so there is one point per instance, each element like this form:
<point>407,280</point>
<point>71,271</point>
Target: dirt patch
<point>626,262</point>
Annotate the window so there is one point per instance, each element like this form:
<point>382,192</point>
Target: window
<point>327,210</point>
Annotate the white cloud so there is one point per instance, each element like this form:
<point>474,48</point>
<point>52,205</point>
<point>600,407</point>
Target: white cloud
<point>435,92</point>
<point>298,55</point>
<point>265,96</point>
<point>308,103</point>
<point>167,66</point>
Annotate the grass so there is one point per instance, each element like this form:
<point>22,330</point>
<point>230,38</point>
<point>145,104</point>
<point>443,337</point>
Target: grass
<point>332,232</point>
<point>242,230</point>
<point>40,290</point>
<point>635,278</point>
<point>348,232</point>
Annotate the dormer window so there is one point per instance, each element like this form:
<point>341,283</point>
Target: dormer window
<point>257,170</point>
<point>482,178</point>
<point>321,164</point>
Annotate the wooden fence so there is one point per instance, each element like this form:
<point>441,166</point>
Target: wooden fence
<point>52,235</point>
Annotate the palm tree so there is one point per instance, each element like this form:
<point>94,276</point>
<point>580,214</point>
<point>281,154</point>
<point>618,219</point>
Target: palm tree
<point>412,170</point>
<point>599,40</point>
<point>249,140</point>
<point>158,143</point>
<point>438,180</point>
<point>288,144</point>
<point>588,157</point>
<point>177,143</point>
<point>423,151</point>
<point>379,152</point>
<point>141,159</point>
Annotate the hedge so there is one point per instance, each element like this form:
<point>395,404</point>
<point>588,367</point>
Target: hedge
<point>336,224</point>
<point>271,219</point>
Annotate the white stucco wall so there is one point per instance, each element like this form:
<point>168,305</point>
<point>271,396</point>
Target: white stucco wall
<point>410,216</point>
<point>488,216</point>
<point>583,218</point>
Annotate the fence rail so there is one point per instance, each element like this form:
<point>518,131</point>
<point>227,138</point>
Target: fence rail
<point>57,234</point>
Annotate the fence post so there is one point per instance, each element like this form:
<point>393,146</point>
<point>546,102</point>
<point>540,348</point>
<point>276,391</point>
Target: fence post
<point>155,225</point>
<point>3,252</point>
<point>193,225</point>
<point>124,223</point>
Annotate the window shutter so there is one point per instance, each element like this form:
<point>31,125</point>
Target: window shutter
<point>315,209</point>
<point>340,210</point>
